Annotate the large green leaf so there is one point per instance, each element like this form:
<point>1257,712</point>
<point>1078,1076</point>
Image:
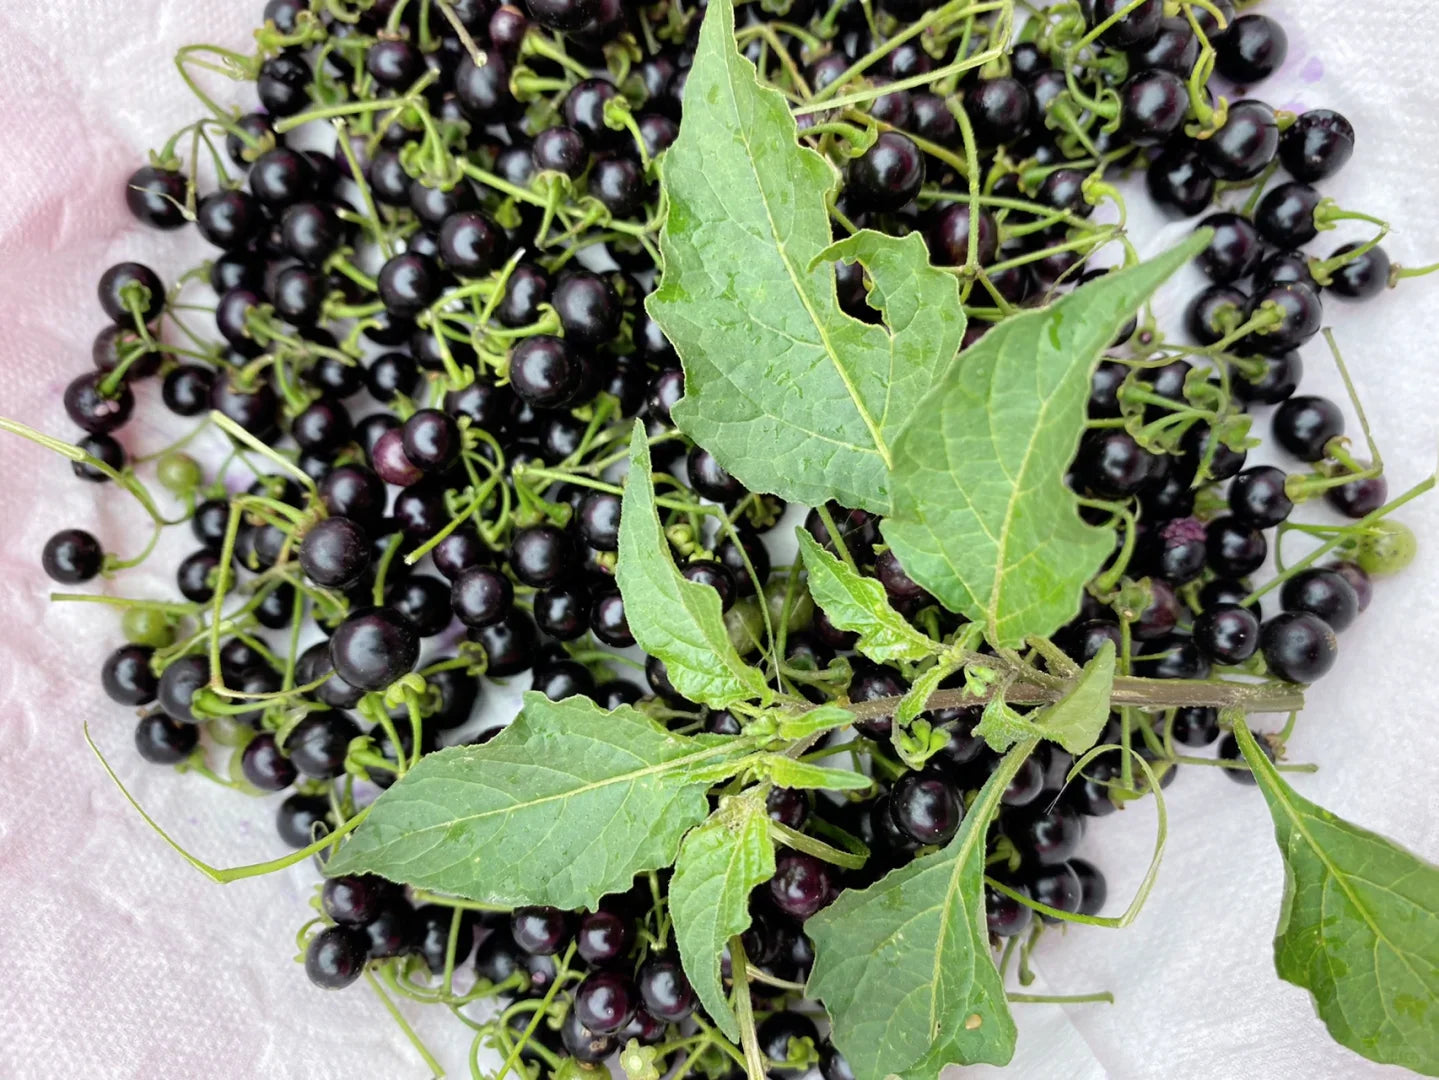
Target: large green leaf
<point>718,866</point>
<point>677,620</point>
<point>1358,926</point>
<point>904,967</point>
<point>790,394</point>
<point>981,514</point>
<point>566,804</point>
<point>859,604</point>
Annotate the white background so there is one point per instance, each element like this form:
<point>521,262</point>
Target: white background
<point>121,962</point>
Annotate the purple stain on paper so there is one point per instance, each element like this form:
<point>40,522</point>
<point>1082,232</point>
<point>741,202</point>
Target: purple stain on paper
<point>1313,70</point>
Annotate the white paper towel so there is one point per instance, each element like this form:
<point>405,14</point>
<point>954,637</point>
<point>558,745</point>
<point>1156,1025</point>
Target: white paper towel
<point>122,962</point>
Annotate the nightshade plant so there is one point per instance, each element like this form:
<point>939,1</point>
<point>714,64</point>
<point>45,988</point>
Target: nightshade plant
<point>857,778</point>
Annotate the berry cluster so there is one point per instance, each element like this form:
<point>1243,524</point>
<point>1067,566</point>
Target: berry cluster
<point>422,355</point>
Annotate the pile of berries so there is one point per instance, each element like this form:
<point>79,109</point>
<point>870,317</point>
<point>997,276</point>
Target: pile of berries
<point>428,342</point>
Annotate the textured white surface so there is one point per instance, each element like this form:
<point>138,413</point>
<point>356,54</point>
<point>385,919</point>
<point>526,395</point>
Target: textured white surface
<point>121,962</point>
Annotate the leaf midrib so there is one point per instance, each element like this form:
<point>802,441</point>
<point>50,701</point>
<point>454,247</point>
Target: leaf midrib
<point>573,793</point>
<point>1297,823</point>
<point>880,447</point>
<point>999,780</point>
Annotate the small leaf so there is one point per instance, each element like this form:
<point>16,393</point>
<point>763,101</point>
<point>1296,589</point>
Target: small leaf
<point>821,718</point>
<point>1001,727</point>
<point>1076,720</point>
<point>1358,926</point>
<point>719,864</point>
<point>981,515</point>
<point>566,804</point>
<point>790,394</point>
<point>860,605</point>
<point>787,772</point>
<point>677,620</point>
<point>904,967</point>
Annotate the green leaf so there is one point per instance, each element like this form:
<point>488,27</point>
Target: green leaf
<point>1076,720</point>
<point>814,721</point>
<point>914,739</point>
<point>1358,926</point>
<point>787,772</point>
<point>859,604</point>
<point>672,618</point>
<point>1001,727</point>
<point>566,804</point>
<point>982,517</point>
<point>789,394</point>
<point>904,967</point>
<point>719,864</point>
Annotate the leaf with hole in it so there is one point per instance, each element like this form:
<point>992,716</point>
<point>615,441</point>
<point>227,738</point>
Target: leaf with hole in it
<point>1358,926</point>
<point>981,514</point>
<point>904,967</point>
<point>719,865</point>
<point>789,393</point>
<point>677,620</point>
<point>859,604</point>
<point>566,804</point>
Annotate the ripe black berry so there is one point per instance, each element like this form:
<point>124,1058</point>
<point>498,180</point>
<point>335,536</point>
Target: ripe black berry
<point>1234,250</point>
<point>265,764</point>
<point>541,555</point>
<point>603,937</point>
<point>925,808</point>
<point>1285,215</point>
<point>1180,180</point>
<point>335,957</point>
<point>373,647</point>
<point>1227,635</point>
<point>1257,497</point>
<point>1000,110</point>
<point>539,930</point>
<point>408,284</point>
<point>317,745</point>
<point>1245,144</point>
<point>801,884</point>
<point>1364,276</point>
<point>1304,426</point>
<point>156,197</point>
<point>1153,105</point>
<point>1317,145</point>
<point>1137,27</point>
<point>162,741</point>
<point>588,307</point>
<point>298,816</point>
<point>1298,646</point>
<point>1194,725</point>
<point>1236,549</point>
<point>1092,886</point>
<point>665,990</point>
<point>605,1001</point>
<point>1058,887</point>
<point>335,552</point>
<point>1322,592</point>
<point>775,1035</point>
<point>888,174</point>
<point>1004,915</point>
<point>72,556</point>
<point>1251,49</point>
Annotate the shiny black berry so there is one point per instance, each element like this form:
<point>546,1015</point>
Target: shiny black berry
<point>1236,549</point>
<point>373,647</point>
<point>888,174</point>
<point>1317,145</point>
<point>1227,635</point>
<point>1322,592</point>
<point>1257,496</point>
<point>72,556</point>
<point>1305,425</point>
<point>1298,646</point>
<point>335,957</point>
<point>1251,49</point>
